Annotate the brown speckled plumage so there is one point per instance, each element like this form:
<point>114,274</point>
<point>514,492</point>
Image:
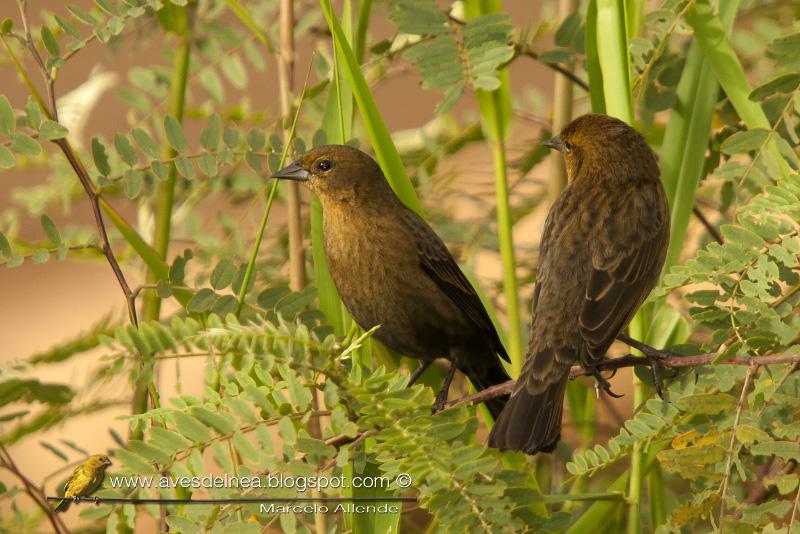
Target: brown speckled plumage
<point>391,269</point>
<point>602,250</point>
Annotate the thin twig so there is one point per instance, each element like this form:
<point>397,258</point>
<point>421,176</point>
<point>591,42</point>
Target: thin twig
<point>94,199</point>
<point>710,227</point>
<point>522,50</point>
<point>75,163</point>
<point>49,81</point>
<point>729,464</point>
<point>35,492</point>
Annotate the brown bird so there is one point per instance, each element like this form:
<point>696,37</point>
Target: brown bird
<point>603,246</point>
<point>392,270</point>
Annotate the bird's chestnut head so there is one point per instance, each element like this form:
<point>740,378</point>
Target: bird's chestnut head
<point>337,172</point>
<point>600,145</point>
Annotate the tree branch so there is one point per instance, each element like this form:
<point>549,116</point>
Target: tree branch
<point>521,50</point>
<point>35,492</point>
<point>710,227</point>
<point>671,362</point>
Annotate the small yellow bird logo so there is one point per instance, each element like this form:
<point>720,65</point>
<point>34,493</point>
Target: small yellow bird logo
<point>85,479</point>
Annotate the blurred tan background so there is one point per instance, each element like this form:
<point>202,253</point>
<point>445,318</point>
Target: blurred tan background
<point>51,303</point>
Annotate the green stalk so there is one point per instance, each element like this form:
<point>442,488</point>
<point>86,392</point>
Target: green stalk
<point>686,137</point>
<point>593,60</point>
<point>248,273</point>
<point>612,51</point>
<point>495,109</point>
<point>385,150</point>
<point>612,48</point>
<point>165,197</point>
<point>711,34</point>
<point>504,228</point>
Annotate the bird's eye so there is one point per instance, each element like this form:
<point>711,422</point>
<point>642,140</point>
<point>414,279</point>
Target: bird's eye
<point>325,165</point>
<point>567,146</point>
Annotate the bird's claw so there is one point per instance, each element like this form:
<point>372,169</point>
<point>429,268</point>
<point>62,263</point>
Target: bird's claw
<point>76,498</point>
<point>654,357</point>
<point>601,383</point>
<point>96,501</point>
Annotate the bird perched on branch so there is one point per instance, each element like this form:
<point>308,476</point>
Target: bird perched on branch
<point>85,479</point>
<point>392,270</point>
<point>603,246</point>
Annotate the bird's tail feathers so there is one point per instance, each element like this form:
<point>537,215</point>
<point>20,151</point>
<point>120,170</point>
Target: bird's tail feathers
<point>484,377</point>
<point>531,422</point>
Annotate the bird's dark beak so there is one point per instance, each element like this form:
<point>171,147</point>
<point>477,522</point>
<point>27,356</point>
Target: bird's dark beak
<point>556,143</point>
<point>292,172</point>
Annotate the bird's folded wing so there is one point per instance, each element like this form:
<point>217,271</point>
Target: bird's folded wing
<point>440,266</point>
<point>622,276</point>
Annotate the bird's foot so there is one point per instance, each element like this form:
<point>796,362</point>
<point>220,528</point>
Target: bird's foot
<point>441,397</point>
<point>76,498</point>
<point>439,403</point>
<point>654,357</point>
<point>96,501</point>
<point>600,382</point>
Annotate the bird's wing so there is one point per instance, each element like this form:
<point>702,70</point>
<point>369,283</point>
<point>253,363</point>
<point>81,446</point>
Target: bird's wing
<point>440,266</point>
<point>626,261</point>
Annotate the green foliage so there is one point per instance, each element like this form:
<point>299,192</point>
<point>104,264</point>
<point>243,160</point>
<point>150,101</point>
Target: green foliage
<point>454,55</point>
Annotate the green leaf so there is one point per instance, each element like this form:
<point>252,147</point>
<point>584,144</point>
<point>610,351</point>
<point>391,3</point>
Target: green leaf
<point>185,167</point>
<point>7,26</point>
<point>33,113</point>
<point>125,149</point>
<point>208,165</point>
<point>40,255</point>
<point>51,230</point>
<point>707,403</point>
<point>7,159</point>
<point>175,135</point>
<point>83,16</point>
<point>222,275</point>
<point>5,246</point>
<point>210,137</point>
<point>235,71</point>
<point>50,42</point>
<point>136,463</point>
<point>132,180</point>
<point>68,27</point>
<point>100,157</point>
<point>568,29</point>
<point>246,449</point>
<point>741,235</point>
<point>52,130</point>
<point>743,142</point>
<point>782,84</point>
<point>145,142</point>
<point>748,434</point>
<point>8,122</point>
<point>190,428</point>
<point>201,301</point>
<point>787,450</point>
<point>25,145</point>
<point>210,81</point>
